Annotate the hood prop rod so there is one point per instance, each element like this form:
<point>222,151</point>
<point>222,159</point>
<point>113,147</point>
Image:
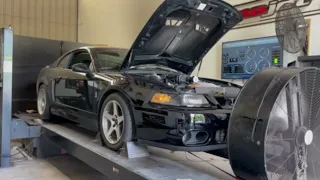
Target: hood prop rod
<point>199,68</point>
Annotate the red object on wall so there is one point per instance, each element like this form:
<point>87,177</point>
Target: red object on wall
<point>255,11</point>
<point>246,13</point>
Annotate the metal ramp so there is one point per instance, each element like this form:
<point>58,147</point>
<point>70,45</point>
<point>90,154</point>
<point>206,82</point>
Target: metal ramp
<point>83,145</point>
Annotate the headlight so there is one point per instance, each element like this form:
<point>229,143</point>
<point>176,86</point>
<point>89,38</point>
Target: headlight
<point>189,100</point>
<point>193,99</point>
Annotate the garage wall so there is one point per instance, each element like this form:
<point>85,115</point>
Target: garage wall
<point>211,66</point>
<point>50,19</point>
<point>115,23</point>
<point>236,2</point>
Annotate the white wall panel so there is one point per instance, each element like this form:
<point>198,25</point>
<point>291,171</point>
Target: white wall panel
<point>114,23</point>
<point>50,19</point>
<point>236,2</point>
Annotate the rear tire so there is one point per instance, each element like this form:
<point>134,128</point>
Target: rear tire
<point>43,103</point>
<point>116,121</point>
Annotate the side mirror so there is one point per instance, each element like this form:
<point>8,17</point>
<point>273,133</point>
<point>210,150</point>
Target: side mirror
<point>80,67</point>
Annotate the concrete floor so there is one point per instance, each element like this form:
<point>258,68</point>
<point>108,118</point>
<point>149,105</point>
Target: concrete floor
<point>57,168</point>
<point>70,168</point>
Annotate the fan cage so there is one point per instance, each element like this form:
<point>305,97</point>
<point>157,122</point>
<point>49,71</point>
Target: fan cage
<point>291,28</point>
<point>292,131</point>
<point>277,114</point>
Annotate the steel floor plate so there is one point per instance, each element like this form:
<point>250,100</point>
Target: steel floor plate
<point>150,167</point>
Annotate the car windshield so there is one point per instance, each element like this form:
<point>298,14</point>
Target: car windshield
<point>108,59</point>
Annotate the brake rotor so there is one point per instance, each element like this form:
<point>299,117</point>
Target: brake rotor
<point>274,131</point>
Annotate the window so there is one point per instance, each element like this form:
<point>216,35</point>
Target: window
<point>71,84</point>
<point>80,57</point>
<point>108,59</point>
<point>63,62</point>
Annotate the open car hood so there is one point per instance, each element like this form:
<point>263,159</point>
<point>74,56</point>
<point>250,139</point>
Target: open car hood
<point>181,32</point>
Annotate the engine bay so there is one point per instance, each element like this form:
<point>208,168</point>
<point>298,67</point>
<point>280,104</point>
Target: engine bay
<point>177,80</point>
<point>220,93</point>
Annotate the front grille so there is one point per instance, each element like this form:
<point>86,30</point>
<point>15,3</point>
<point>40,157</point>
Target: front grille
<point>153,118</point>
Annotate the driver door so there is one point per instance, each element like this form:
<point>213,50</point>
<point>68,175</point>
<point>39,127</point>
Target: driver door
<point>73,90</point>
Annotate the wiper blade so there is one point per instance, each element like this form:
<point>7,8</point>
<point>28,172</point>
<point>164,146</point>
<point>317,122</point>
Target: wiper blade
<point>151,68</point>
<point>156,57</point>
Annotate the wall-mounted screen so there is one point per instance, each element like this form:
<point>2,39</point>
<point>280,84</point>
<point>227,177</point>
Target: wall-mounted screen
<point>242,59</point>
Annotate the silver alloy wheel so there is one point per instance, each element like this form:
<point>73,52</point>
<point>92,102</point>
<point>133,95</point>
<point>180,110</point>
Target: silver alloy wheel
<point>113,122</point>
<point>41,101</point>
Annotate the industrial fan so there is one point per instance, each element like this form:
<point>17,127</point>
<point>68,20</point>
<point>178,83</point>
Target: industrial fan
<point>291,28</point>
<point>274,129</point>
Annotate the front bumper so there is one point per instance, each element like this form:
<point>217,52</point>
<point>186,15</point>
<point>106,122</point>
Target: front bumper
<point>175,130</point>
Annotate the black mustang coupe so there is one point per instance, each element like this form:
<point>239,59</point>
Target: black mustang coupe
<point>147,94</point>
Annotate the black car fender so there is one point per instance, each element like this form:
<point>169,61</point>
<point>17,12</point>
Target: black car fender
<point>41,80</point>
<point>49,86</point>
<point>47,80</point>
<point>112,90</point>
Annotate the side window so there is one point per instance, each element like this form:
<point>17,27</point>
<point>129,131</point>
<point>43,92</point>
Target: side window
<point>80,57</point>
<point>64,61</point>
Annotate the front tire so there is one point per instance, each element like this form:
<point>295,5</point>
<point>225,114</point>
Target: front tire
<point>116,121</point>
<point>43,103</point>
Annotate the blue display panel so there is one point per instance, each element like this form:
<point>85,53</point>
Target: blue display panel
<point>242,59</point>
